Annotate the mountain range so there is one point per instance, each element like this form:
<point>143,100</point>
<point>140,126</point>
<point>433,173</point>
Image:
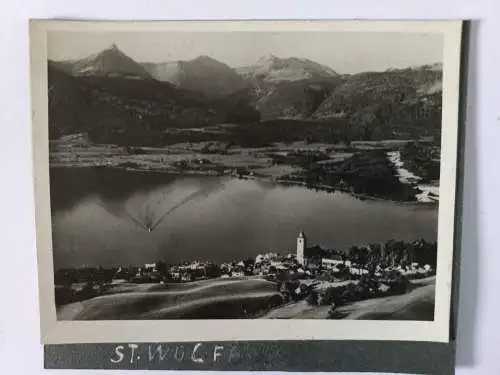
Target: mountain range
<point>109,93</point>
<point>203,74</point>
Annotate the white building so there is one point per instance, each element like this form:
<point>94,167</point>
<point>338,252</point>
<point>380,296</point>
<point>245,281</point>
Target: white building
<point>276,263</point>
<point>237,273</point>
<point>301,248</point>
<point>150,267</point>
<point>176,275</point>
<point>192,266</point>
<point>333,262</point>
<point>271,256</point>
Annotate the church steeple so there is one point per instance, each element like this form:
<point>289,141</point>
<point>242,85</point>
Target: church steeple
<point>301,248</point>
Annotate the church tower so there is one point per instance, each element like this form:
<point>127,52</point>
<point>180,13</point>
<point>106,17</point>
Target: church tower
<point>301,248</point>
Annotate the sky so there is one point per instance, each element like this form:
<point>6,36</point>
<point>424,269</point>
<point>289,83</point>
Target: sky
<point>344,52</point>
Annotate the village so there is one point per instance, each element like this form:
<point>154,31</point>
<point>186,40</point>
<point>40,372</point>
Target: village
<point>312,274</point>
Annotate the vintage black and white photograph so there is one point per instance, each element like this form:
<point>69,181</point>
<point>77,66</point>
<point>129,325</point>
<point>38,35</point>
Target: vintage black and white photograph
<point>269,174</point>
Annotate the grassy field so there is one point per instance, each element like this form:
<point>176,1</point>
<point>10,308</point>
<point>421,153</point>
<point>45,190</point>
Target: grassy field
<point>207,299</point>
<point>240,298</point>
<point>415,305</point>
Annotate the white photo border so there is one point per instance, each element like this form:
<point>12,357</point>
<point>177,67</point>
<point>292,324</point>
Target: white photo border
<point>73,332</point>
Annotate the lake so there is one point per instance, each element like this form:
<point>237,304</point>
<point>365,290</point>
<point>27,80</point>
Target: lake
<point>98,214</point>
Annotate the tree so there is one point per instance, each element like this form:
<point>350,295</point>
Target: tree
<point>312,298</point>
<point>241,112</point>
<point>363,257</point>
<point>213,270</point>
<point>354,255</point>
<point>87,291</point>
<point>182,164</point>
<point>161,267</point>
<point>249,262</point>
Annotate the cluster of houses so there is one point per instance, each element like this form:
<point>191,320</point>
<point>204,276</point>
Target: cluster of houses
<point>262,265</point>
<point>269,264</point>
<point>184,272</point>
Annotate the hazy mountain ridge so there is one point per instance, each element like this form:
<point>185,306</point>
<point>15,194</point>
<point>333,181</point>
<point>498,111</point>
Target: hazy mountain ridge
<point>95,94</point>
<point>274,69</point>
<point>110,62</point>
<point>202,74</point>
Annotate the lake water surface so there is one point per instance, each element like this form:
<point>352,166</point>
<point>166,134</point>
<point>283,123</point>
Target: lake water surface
<point>97,216</point>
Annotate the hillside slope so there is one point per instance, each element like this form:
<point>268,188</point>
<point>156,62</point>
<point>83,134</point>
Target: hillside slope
<point>406,98</point>
<point>204,299</point>
<point>400,100</point>
<point>69,103</point>
<point>110,108</point>
<point>295,100</point>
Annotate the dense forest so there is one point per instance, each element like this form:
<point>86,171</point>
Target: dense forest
<point>422,161</point>
<point>366,173</point>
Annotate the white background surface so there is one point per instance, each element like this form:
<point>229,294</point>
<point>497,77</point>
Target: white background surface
<point>479,327</point>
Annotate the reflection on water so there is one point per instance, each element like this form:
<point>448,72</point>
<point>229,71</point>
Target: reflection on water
<point>99,217</point>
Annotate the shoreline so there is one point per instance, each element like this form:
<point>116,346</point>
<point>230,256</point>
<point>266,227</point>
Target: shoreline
<point>276,180</point>
<point>242,163</point>
<point>429,193</point>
